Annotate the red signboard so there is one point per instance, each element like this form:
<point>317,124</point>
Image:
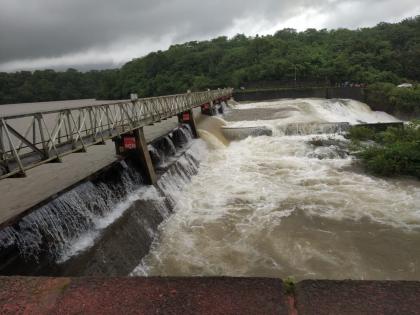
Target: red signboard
<point>185,116</point>
<point>129,143</point>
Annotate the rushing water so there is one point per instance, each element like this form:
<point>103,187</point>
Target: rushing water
<point>74,222</point>
<point>279,206</point>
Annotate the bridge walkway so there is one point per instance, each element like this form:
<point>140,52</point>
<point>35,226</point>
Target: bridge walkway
<point>18,195</point>
<point>31,139</point>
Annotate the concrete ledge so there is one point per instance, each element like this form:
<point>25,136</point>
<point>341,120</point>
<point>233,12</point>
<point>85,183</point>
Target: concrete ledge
<point>357,297</point>
<point>378,127</point>
<point>20,295</point>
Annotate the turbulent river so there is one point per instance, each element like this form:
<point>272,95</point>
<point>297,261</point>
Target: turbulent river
<point>280,206</point>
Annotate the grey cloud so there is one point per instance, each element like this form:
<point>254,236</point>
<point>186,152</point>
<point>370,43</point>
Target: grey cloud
<point>34,29</point>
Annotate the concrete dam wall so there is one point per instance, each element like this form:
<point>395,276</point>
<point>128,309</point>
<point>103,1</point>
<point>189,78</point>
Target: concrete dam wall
<point>104,225</point>
<point>353,93</point>
<point>357,94</point>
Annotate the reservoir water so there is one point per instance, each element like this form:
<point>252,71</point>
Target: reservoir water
<point>280,206</point>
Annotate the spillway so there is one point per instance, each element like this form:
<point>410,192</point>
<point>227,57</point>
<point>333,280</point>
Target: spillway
<point>240,201</point>
<point>105,225</point>
<point>279,206</point>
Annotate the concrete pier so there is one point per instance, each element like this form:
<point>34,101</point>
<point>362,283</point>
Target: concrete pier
<point>144,157</point>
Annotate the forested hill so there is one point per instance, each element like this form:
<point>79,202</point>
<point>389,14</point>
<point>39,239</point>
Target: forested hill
<point>385,53</point>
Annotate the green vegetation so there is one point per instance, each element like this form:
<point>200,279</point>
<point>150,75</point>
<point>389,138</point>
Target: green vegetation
<point>361,134</point>
<point>289,285</point>
<point>49,85</point>
<point>395,151</point>
<point>386,53</point>
<point>399,100</point>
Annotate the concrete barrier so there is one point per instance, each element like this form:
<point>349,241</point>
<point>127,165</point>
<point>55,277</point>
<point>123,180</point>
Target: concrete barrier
<point>354,93</point>
<point>221,295</point>
<point>242,133</point>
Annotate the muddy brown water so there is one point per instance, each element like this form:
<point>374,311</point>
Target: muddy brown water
<point>280,206</point>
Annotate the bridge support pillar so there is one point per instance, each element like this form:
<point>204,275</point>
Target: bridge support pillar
<point>144,156</point>
<point>209,109</point>
<point>188,118</point>
<point>134,144</point>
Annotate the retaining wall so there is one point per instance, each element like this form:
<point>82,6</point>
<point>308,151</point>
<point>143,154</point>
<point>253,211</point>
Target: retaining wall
<point>316,92</point>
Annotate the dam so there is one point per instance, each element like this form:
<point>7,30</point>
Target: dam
<point>281,206</point>
<point>268,189</point>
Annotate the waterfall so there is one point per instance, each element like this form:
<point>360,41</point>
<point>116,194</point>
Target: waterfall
<point>291,204</point>
<point>172,182</point>
<point>166,149</point>
<point>77,220</point>
<point>53,227</point>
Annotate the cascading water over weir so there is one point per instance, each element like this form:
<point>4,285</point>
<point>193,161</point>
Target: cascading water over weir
<point>105,225</point>
<point>287,201</point>
<point>291,204</point>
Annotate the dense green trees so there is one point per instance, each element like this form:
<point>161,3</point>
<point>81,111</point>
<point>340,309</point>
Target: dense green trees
<point>385,53</point>
<point>402,101</point>
<point>393,152</point>
<point>48,85</point>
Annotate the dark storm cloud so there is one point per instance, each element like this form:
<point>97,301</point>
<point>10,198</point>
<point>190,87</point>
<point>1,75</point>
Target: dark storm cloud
<point>42,28</point>
<point>60,32</point>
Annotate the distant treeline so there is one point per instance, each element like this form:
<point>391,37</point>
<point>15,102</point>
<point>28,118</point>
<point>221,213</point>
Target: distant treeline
<point>385,53</point>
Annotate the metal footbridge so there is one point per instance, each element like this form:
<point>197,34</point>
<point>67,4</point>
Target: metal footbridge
<point>31,139</point>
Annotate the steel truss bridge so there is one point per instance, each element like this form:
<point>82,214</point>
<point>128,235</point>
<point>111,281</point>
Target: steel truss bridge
<point>32,139</point>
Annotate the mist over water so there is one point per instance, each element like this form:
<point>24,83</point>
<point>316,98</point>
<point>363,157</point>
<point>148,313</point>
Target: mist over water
<point>279,206</point>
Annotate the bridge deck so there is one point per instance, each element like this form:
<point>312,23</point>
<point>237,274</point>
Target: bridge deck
<point>20,194</point>
<point>31,138</point>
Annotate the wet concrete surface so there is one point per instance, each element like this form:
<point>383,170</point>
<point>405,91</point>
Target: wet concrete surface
<point>30,295</point>
<point>357,297</point>
<point>20,295</point>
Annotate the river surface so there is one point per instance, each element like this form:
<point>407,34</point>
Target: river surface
<point>279,206</point>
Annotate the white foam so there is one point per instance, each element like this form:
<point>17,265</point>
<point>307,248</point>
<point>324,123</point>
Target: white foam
<point>226,220</point>
<point>87,239</point>
<point>318,110</point>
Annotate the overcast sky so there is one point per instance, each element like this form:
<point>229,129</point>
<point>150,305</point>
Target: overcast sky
<point>97,34</point>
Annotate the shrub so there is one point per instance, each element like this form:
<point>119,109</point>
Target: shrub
<point>396,152</point>
<point>396,159</point>
<point>361,134</point>
<point>401,100</point>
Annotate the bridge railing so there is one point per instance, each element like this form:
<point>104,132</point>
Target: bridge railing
<point>31,139</point>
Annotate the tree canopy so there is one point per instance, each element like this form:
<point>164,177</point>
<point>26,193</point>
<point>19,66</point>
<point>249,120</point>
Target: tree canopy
<point>384,53</point>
